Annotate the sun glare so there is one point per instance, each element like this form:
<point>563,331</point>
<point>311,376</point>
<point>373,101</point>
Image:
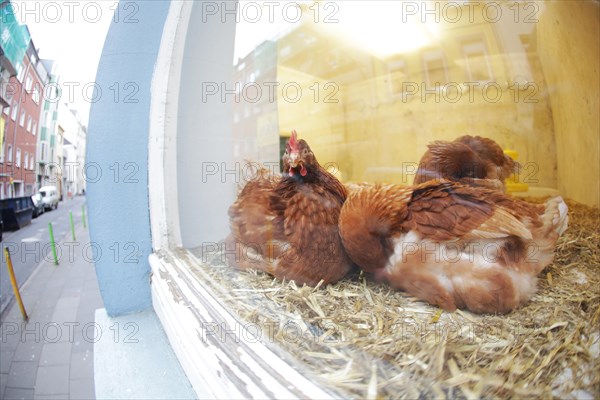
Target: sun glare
<point>384,29</point>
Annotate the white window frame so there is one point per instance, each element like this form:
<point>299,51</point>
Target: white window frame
<point>28,83</point>
<point>26,160</point>
<point>234,368</point>
<point>9,153</point>
<point>20,72</point>
<point>29,123</point>
<point>13,114</point>
<point>44,150</point>
<point>433,55</point>
<point>22,119</point>
<point>36,94</point>
<point>18,158</point>
<point>393,67</point>
<point>477,47</point>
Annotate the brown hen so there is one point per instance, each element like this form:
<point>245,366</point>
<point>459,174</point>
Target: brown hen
<point>472,160</point>
<point>451,244</point>
<point>287,225</point>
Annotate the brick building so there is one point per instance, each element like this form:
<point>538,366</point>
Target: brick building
<point>24,93</point>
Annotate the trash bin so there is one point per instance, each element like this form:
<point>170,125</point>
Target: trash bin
<point>16,212</point>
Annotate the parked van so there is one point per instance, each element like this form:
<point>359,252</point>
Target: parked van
<point>49,197</point>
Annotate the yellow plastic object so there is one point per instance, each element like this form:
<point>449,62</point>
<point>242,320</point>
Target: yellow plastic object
<point>512,185</point>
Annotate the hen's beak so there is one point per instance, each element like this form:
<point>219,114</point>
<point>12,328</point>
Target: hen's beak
<point>295,162</point>
<point>294,159</point>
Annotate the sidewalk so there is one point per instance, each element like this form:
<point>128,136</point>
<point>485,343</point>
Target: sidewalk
<point>51,356</point>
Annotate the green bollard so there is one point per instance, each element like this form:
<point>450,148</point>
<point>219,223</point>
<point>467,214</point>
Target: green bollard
<point>53,243</point>
<point>72,224</point>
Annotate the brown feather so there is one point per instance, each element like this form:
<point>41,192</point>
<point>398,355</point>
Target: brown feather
<point>403,233</point>
<point>472,160</point>
<point>291,222</point>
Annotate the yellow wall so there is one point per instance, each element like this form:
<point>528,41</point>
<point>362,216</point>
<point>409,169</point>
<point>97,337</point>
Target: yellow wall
<point>568,48</point>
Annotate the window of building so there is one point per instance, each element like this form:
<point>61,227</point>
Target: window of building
<point>18,158</point>
<point>44,152</point>
<point>6,110</point>
<point>22,119</point>
<point>29,123</point>
<point>397,76</point>
<point>436,72</point>
<point>368,138</point>
<point>20,72</point>
<point>9,153</point>
<point>477,61</point>
<point>28,83</point>
<point>32,162</point>
<point>26,160</point>
<point>13,114</point>
<point>34,128</point>
<point>36,95</point>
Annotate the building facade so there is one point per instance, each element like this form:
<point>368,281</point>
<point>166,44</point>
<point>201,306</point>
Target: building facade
<point>25,95</point>
<point>14,41</point>
<point>70,149</point>
<point>49,164</point>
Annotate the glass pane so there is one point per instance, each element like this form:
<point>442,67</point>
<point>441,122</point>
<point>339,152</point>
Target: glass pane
<point>369,85</point>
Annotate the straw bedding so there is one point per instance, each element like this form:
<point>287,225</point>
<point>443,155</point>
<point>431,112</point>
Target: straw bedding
<point>367,340</point>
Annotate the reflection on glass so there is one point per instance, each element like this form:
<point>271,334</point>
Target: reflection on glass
<point>369,84</point>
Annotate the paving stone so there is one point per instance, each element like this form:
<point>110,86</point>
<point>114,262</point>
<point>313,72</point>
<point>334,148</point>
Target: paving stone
<point>69,291</point>
<point>31,349</point>
<point>18,393</point>
<point>67,302</point>
<point>6,357</point>
<point>22,374</point>
<point>52,356</point>
<point>3,382</point>
<point>56,354</point>
<point>91,302</point>
<point>81,344</point>
<point>62,315</point>
<point>82,365</point>
<point>50,396</point>
<point>68,331</point>
<point>52,379</point>
<point>10,336</point>
<point>82,389</point>
<point>40,314</point>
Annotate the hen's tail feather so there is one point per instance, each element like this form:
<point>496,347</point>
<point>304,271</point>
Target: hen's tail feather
<point>554,220</point>
<point>556,215</point>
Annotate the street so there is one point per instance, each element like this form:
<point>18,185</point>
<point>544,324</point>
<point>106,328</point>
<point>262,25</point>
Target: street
<point>30,245</point>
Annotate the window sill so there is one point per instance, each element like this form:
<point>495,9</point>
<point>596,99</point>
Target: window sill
<point>215,349</point>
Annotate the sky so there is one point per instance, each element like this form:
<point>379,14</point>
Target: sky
<point>71,33</point>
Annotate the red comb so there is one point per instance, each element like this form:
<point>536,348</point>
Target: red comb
<point>294,141</point>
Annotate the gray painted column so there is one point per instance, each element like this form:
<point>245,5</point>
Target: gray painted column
<point>117,157</point>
